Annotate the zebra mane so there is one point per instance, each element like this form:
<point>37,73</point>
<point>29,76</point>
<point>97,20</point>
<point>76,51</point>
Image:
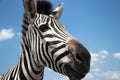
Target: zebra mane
<point>44,7</point>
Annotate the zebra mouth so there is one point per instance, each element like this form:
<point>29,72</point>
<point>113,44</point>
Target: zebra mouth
<point>73,74</point>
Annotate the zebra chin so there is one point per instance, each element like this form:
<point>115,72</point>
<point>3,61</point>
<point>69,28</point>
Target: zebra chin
<point>76,71</point>
<point>73,74</point>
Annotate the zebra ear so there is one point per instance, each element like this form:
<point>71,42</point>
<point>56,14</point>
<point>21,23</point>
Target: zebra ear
<point>30,8</point>
<point>56,13</point>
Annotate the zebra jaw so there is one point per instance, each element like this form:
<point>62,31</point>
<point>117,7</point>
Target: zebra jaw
<point>73,74</point>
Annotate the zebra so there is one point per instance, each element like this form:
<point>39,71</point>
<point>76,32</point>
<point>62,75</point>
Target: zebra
<point>46,43</point>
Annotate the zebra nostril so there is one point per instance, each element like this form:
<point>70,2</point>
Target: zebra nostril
<point>79,57</point>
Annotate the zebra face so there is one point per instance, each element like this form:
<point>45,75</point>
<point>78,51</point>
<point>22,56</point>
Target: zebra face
<point>54,46</point>
<point>62,52</point>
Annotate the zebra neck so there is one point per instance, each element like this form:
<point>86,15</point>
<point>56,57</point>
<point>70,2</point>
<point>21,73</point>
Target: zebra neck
<point>29,69</point>
<point>21,71</point>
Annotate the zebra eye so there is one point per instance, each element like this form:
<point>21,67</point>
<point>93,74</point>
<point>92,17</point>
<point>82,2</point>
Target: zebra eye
<point>43,27</point>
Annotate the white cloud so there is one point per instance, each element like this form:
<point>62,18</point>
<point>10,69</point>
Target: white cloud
<point>97,58</point>
<point>111,75</point>
<point>116,55</point>
<point>98,74</point>
<point>6,34</point>
<point>89,77</point>
<point>96,70</point>
<point>94,59</point>
<point>63,78</point>
<point>104,52</point>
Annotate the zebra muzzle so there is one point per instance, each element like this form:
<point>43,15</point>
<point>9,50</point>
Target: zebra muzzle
<point>80,63</point>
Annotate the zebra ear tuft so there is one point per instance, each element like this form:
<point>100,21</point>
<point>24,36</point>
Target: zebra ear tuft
<point>58,11</point>
<point>30,8</point>
<point>44,7</point>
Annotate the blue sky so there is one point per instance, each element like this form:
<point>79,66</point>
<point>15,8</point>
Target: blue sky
<point>95,23</point>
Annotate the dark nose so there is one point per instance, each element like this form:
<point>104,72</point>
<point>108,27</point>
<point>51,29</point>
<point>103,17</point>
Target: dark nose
<point>81,56</point>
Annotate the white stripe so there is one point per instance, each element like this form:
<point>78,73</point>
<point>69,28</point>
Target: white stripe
<point>24,69</point>
<point>58,53</point>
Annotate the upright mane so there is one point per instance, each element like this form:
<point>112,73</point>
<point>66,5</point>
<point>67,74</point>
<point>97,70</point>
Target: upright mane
<point>44,7</point>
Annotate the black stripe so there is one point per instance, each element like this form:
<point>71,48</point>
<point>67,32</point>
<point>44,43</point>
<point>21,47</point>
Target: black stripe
<point>48,35</point>
<point>23,33</point>
<point>21,71</point>
<point>43,52</point>
<point>36,52</point>
<point>36,29</point>
<point>25,22</point>
<point>56,49</point>
<point>25,27</point>
<point>54,42</point>
<point>36,72</point>
<point>51,60</point>
<point>60,27</point>
<point>30,52</point>
<point>11,76</point>
<point>25,60</point>
<point>60,67</point>
<point>15,70</point>
<point>37,20</point>
<point>61,56</point>
<point>54,26</point>
<point>41,59</point>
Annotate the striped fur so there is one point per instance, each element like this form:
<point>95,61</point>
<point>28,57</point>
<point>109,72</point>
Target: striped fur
<point>35,57</point>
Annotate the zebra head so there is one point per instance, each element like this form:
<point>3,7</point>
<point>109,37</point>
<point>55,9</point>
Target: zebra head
<point>51,44</point>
